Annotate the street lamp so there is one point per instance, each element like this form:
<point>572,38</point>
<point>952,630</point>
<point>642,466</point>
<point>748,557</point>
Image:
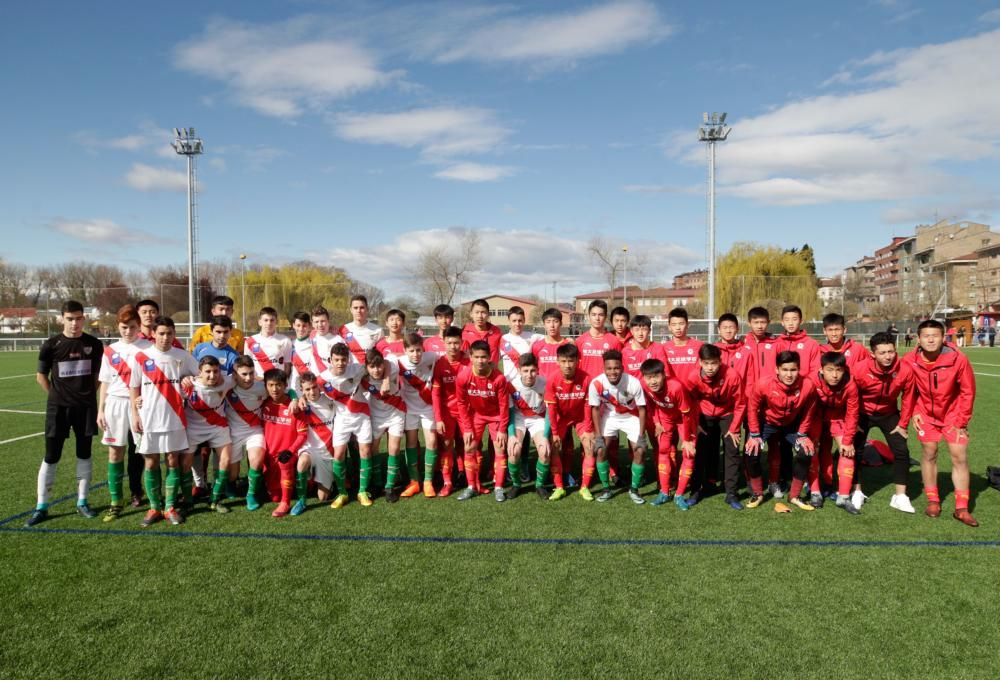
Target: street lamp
<point>625,276</point>
<point>713,129</point>
<point>243,293</point>
<point>189,145</point>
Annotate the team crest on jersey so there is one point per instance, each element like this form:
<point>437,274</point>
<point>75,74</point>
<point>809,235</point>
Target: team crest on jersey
<point>690,351</point>
<point>233,398</point>
<point>150,364</point>
<point>517,395</point>
<point>577,387</point>
<point>606,394</point>
<point>116,359</point>
<point>738,355</point>
<point>255,347</point>
<point>86,350</point>
<point>407,373</point>
<point>799,346</point>
<point>328,388</point>
<point>349,337</point>
<point>767,345</point>
<point>606,345</point>
<point>506,346</point>
<point>194,398</point>
<point>372,389</point>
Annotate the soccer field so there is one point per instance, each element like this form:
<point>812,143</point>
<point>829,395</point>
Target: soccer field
<point>434,587</point>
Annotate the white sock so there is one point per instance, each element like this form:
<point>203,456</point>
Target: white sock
<point>84,472</point>
<point>46,478</point>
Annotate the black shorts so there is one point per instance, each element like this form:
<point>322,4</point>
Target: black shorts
<point>59,420</point>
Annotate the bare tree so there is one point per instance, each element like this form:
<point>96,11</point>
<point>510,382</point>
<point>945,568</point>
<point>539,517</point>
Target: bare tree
<point>372,293</point>
<point>441,271</point>
<point>616,264</point>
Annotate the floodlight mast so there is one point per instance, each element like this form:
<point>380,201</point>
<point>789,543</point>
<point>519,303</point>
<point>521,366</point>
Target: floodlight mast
<point>712,130</point>
<point>189,145</point>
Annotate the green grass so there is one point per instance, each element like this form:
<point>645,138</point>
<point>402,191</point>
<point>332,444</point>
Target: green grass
<point>116,605</point>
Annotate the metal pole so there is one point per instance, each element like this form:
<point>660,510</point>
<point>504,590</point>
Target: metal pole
<point>243,291</point>
<point>625,277</point>
<point>190,243</point>
<point>711,240</point>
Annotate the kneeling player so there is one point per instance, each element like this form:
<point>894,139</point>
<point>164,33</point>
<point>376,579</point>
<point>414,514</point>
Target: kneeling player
<point>342,384</point>
<point>207,422</point>
<point>483,406</point>
<point>617,404</point>
<point>528,416</point>
<point>316,455</point>
<point>284,434</point>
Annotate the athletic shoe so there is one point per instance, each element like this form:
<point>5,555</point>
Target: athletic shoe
<point>515,489</point>
<point>830,495</point>
<point>775,490</point>
<point>38,515</point>
<point>219,508</point>
<point>614,480</point>
<point>570,481</point>
<point>391,495</point>
<point>364,499</point>
<point>298,508</point>
<point>843,500</point>
<point>137,502</point>
<point>754,501</point>
<point>605,495</point>
<point>933,509</point>
<point>83,509</point>
<point>339,502</point>
<point>633,495</point>
<point>849,507</point>
<point>282,510</point>
<point>498,495</point>
<point>585,494</point>
<point>681,502</point>
<point>443,493</point>
<point>174,516</point>
<point>152,516</point>
<point>429,489</point>
<point>557,494</point>
<point>199,493</point>
<point>467,493</point>
<point>412,489</point>
<point>113,512</point>
<point>662,499</point>
<point>858,499</point>
<point>901,502</point>
<point>816,500</point>
<point>781,508</point>
<point>693,498</point>
<point>542,492</point>
<point>734,502</point>
<point>914,462</point>
<point>965,518</point>
<point>252,503</point>
<point>801,504</point>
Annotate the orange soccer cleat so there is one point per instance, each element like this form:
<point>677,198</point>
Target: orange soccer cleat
<point>412,489</point>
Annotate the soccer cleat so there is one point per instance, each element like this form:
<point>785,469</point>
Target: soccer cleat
<point>754,501</point>
<point>694,498</point>
<point>614,479</point>
<point>933,509</point>
<point>557,494</point>
<point>199,493</point>
<point>830,495</point>
<point>83,509</point>
<point>174,516</point>
<point>775,490</point>
<point>849,507</point>
<point>605,495</point>
<point>282,510</point>
<point>515,489</point>
<point>219,508</point>
<point>429,489</point>
<point>901,502</point>
<point>252,503</point>
<point>734,502</point>
<point>542,492</point>
<point>585,494</point>
<point>339,502</point>
<point>636,497</point>
<point>391,495</point>
<point>137,501</point>
<point>364,499</point>
<point>498,495</point>
<point>443,493</point>
<point>38,515</point>
<point>570,481</point>
<point>801,504</point>
<point>151,517</point>
<point>781,508</point>
<point>858,499</point>
<point>965,518</point>
<point>816,500</point>
<point>842,500</point>
<point>299,507</point>
<point>662,498</point>
<point>467,493</point>
<point>412,489</point>
<point>681,502</point>
<point>113,512</point>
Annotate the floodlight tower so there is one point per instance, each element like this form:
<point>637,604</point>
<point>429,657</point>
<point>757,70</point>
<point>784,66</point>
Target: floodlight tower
<point>188,144</point>
<point>713,129</point>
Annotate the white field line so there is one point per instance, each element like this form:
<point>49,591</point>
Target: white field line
<point>11,377</point>
<point>990,375</point>
<point>28,413</point>
<point>17,439</point>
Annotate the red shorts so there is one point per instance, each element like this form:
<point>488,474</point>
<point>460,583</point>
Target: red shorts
<point>581,428</point>
<point>667,441</point>
<point>932,430</point>
<point>479,427</point>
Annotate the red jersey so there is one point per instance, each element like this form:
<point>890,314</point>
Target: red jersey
<point>945,388</point>
<point>774,403</point>
<point>804,346</point>
<point>736,355</point>
<point>763,351</point>
<point>855,353</point>
<point>721,395</point>
<point>283,430</point>
<point>683,359</point>
<point>177,343</point>
<point>632,357</point>
<point>484,398</point>
<point>879,388</point>
<point>670,407</point>
<point>567,401</point>
<point>492,335</point>
<point>592,351</point>
<point>443,388</point>
<point>548,362</point>
<point>396,347</point>
<point>626,339</point>
<point>838,403</point>
<point>434,343</point>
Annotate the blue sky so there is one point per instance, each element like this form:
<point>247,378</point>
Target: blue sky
<point>355,133</point>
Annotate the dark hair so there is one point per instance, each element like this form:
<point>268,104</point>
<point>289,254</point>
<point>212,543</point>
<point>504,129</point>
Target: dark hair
<point>374,358</point>
<point>396,312</point>
<point>527,359</point>
<point>444,310</point>
<point>163,321</point>
<point>568,351</point>
<point>640,320</point>
<point>72,306</point>
<point>788,309</point>
<point>415,340</point>
<point>223,300</point>
<point>358,298</point>
<point>243,361</point>
<point>208,360</point>
<point>834,319</point>
<point>452,332</point>
<point>339,349</point>
<point>516,309</point>
<point>307,377</point>
<point>758,313</point>
<point>728,316</point>
<point>651,367</point>
<point>221,320</point>
<point>620,311</point>
<point>611,355</point>
<point>930,323</point>
<point>147,303</point>
<point>552,313</point>
<point>600,304</point>
<point>479,346</point>
<point>833,359</point>
<point>709,352</point>
<point>881,338</point>
<point>787,357</point>
<point>320,310</point>
<point>302,316</point>
<point>479,302</point>
<point>677,313</point>
<point>275,375</point>
<point>267,310</point>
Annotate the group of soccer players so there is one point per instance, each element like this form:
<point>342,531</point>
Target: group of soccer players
<point>295,407</point>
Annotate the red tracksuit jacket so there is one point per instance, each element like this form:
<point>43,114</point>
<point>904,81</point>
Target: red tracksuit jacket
<point>855,353</point>
<point>946,389</point>
<point>760,364</point>
<point>806,347</point>
<point>879,388</point>
<point>719,396</point>
<point>736,355</point>
<point>492,335</point>
<point>774,403</point>
<point>841,403</point>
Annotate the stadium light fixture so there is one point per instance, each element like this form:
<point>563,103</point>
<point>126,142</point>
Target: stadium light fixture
<point>713,129</point>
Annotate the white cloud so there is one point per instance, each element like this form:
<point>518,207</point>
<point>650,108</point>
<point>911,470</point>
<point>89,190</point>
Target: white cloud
<point>475,172</point>
<point>282,69</point>
<point>147,178</point>
<point>663,189</point>
<point>148,138</point>
<point>438,131</point>
<point>990,17</point>
<point>103,231</point>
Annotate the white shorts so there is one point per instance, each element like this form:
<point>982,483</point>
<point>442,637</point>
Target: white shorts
<point>627,424</point>
<point>356,424</point>
<point>394,425</point>
<point>214,437</point>
<point>254,440</point>
<point>152,443</point>
<point>322,466</point>
<point>118,413</point>
<point>419,420</point>
<point>534,425</point>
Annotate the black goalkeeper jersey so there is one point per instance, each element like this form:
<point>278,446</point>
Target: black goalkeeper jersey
<point>72,366</point>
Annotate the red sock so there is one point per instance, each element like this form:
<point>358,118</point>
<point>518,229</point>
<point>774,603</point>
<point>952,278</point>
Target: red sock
<point>684,476</point>
<point>460,463</point>
<point>675,468</point>
<point>845,475</point>
<point>932,494</point>
<point>773,464</point>
<point>826,466</point>
<point>612,457</point>
<point>557,470</point>
<point>287,482</point>
<point>756,486</point>
<point>796,488</point>
<point>814,475</point>
<point>961,499</point>
<point>499,469</point>
<point>471,471</point>
<point>567,458</point>
<point>663,470</point>
<point>447,460</point>
<point>589,465</point>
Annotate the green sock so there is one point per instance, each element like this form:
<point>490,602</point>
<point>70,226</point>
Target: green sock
<point>392,470</point>
<point>253,483</point>
<point>514,470</point>
<point>637,469</point>
<point>366,472</point>
<point>411,463</point>
<point>339,471</point>
<point>173,481</point>
<point>220,485</point>
<point>604,472</point>
<point>541,473</point>
<point>115,473</point>
<point>302,484</point>
<point>187,484</point>
<point>430,458</point>
<point>152,480</point>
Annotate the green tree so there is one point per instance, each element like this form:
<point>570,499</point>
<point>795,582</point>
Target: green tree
<point>751,274</point>
<point>291,288</point>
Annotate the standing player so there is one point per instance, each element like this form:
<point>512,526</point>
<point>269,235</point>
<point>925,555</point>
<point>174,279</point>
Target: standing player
<point>837,409</point>
<point>219,344</point>
<point>681,350</point>
<point>245,426</point>
<point>620,324</point>
<point>835,329</point>
<point>515,342</point>
<point>942,407</point>
<point>149,312</point>
<point>617,404</point>
<point>483,398</point>
<point>388,419</point>
<point>342,384</point>
<point>113,413</point>
<point>284,434</point>
<point>302,358</point>
<point>207,423</point>
<point>735,352</point>
<point>360,334</point>
<point>395,326</point>
<point>596,341</point>
<point>416,374</point>
<point>445,402</point>
<point>794,339</point>
<point>157,372</point>
<point>670,419</point>
<point>566,400</point>
<point>546,349</point>
<point>762,346</point>
<point>222,305</point>
<point>444,317</point>
<point>528,416</point>
<point>640,346</point>
<point>269,348</point>
<point>68,370</point>
<point>316,454</point>
<point>480,328</point>
<point>323,339</point>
